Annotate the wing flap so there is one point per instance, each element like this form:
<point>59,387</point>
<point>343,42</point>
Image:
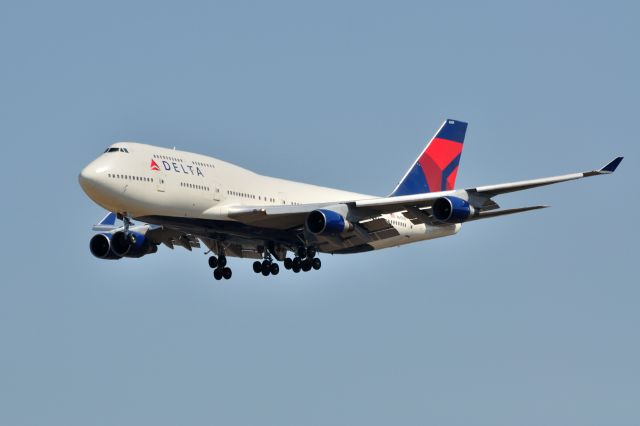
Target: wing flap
<point>504,212</point>
<point>379,229</point>
<point>171,238</point>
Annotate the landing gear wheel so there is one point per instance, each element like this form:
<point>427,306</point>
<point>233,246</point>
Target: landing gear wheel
<point>275,269</point>
<point>226,273</point>
<point>297,263</point>
<point>311,253</point>
<point>288,263</point>
<point>265,267</point>
<point>217,274</point>
<point>222,261</point>
<point>213,262</point>
<point>302,252</point>
<point>295,269</point>
<point>257,267</point>
<point>306,265</point>
<point>316,263</point>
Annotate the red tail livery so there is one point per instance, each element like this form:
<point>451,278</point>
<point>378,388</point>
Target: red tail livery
<point>437,166</point>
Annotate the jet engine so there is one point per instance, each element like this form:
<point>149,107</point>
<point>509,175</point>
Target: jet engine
<point>121,244</point>
<point>327,222</point>
<point>452,210</point>
<point>100,247</point>
<point>131,244</point>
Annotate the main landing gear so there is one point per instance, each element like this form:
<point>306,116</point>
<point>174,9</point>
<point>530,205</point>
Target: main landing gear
<point>304,261</point>
<point>267,266</point>
<point>220,268</point>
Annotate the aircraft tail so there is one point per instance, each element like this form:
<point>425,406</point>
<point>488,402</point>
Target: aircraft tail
<point>436,167</point>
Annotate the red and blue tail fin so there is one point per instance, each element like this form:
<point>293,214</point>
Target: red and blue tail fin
<point>437,166</point>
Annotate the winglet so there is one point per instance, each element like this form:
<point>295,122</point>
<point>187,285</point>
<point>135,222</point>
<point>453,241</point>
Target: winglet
<point>107,223</point>
<point>612,166</point>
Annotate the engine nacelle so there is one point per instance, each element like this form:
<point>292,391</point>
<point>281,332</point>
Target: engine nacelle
<point>452,210</point>
<point>100,246</point>
<point>131,244</point>
<point>327,222</point>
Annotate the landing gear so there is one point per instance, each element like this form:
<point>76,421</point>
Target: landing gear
<point>220,273</point>
<point>226,273</point>
<point>219,266</point>
<point>305,260</point>
<point>267,266</point>
<point>288,263</point>
<point>127,223</point>
<point>306,265</point>
<point>274,269</point>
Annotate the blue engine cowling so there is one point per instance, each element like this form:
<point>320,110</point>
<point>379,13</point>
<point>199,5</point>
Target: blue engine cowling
<point>451,210</point>
<point>131,244</point>
<point>120,244</point>
<point>327,222</point>
<point>100,247</point>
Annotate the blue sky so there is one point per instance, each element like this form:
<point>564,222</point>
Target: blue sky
<point>529,319</point>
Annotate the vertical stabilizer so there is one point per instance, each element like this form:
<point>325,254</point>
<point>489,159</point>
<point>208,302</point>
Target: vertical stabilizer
<point>437,166</point>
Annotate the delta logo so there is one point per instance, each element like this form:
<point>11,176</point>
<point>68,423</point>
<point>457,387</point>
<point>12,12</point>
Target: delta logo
<point>177,168</point>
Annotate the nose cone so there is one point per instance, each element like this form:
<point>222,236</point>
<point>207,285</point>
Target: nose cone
<point>87,178</point>
<point>93,178</point>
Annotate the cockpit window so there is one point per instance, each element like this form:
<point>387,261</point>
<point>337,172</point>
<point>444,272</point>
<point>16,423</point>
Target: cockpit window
<point>117,150</point>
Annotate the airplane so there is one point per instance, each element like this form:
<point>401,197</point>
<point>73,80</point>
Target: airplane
<point>187,199</point>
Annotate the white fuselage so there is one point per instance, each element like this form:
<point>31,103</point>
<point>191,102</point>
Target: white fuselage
<point>148,181</point>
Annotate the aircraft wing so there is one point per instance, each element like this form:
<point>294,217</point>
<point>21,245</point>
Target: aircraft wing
<point>479,196</point>
<point>275,217</point>
<point>415,207</point>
